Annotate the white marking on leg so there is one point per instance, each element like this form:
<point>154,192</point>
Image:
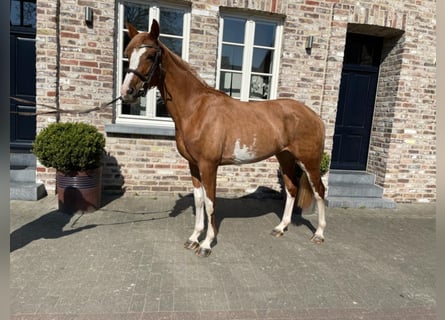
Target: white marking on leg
<point>244,153</point>
<point>134,63</point>
<point>321,216</point>
<point>210,236</point>
<point>198,195</point>
<point>320,206</point>
<point>287,215</point>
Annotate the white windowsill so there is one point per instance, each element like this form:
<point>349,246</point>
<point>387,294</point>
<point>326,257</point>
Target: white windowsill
<point>149,130</point>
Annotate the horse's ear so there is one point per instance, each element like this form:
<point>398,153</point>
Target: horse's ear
<point>132,31</point>
<point>154,30</point>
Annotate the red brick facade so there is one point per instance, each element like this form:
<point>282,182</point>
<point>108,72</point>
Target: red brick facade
<point>76,69</point>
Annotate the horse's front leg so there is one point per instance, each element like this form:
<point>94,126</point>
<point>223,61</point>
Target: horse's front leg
<point>198,195</point>
<point>208,178</point>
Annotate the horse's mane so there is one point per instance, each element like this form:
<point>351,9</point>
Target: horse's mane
<point>186,66</point>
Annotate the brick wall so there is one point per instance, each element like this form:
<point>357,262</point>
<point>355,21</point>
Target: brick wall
<point>402,148</point>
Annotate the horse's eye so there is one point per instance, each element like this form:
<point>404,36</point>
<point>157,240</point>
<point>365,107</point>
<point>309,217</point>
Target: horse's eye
<point>151,57</point>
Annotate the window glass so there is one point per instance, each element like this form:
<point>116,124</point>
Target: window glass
<point>264,34</point>
<point>29,14</point>
<point>171,21</point>
<point>230,83</point>
<point>15,13</point>
<point>234,30</point>
<point>362,50</point>
<point>262,60</point>
<point>137,15</point>
<point>259,87</point>
<point>174,44</point>
<point>231,57</point>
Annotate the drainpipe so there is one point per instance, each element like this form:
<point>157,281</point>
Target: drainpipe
<point>58,50</point>
<point>325,67</point>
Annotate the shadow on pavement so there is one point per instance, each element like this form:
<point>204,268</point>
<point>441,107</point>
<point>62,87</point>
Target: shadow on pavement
<point>261,202</point>
<point>48,226</point>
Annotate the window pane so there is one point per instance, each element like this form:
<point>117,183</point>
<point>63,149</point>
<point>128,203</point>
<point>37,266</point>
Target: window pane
<point>262,60</point>
<point>15,13</point>
<point>137,15</point>
<point>126,41</point>
<point>124,68</point>
<point>135,109</point>
<point>264,34</point>
<point>23,13</point>
<point>259,87</point>
<point>29,14</point>
<point>232,57</point>
<point>171,21</point>
<point>230,83</point>
<point>161,109</point>
<point>174,44</point>
<point>234,30</point>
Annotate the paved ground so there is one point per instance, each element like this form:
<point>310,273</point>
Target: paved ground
<point>126,261</point>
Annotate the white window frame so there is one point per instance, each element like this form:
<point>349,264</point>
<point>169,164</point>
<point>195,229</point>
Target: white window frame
<point>150,99</point>
<point>248,45</point>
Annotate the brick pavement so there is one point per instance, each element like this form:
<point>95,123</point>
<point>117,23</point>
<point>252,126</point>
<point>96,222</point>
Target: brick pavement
<point>126,261</point>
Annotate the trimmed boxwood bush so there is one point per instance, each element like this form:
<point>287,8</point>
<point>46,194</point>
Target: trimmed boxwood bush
<point>325,163</point>
<point>69,146</point>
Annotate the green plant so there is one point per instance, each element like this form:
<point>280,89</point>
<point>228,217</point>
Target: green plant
<point>325,163</point>
<point>69,146</point>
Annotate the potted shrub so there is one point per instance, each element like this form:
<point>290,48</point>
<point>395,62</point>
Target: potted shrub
<point>324,169</point>
<point>75,150</point>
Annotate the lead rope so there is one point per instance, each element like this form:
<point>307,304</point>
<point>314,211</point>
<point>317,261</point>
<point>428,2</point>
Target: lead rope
<point>58,110</point>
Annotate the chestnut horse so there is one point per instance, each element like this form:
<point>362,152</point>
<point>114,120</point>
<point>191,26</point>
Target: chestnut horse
<point>213,129</point>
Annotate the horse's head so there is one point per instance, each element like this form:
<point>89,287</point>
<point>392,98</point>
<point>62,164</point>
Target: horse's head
<point>144,56</point>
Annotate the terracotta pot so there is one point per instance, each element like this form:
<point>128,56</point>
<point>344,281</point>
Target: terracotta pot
<point>79,190</point>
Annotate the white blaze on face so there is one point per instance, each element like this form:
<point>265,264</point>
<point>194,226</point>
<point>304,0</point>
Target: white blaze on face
<point>244,153</point>
<point>134,63</point>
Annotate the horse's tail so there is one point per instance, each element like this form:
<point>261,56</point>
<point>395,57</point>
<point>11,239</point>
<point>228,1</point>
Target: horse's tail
<point>305,192</point>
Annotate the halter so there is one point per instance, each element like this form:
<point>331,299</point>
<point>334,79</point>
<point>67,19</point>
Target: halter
<point>156,63</point>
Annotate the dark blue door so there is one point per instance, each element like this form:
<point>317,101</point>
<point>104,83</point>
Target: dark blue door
<point>356,102</point>
<point>22,74</point>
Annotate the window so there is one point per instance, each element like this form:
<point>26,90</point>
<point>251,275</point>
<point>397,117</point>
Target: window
<point>174,33</point>
<point>23,13</point>
<point>249,57</point>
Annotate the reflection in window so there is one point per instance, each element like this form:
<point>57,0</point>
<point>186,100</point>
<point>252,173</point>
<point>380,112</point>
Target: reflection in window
<point>259,87</point>
<point>172,21</point>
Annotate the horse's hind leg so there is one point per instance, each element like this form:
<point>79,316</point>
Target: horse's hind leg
<point>319,191</point>
<point>288,170</point>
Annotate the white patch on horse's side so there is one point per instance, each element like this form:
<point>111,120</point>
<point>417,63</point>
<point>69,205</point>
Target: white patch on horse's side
<point>134,63</point>
<point>244,153</point>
